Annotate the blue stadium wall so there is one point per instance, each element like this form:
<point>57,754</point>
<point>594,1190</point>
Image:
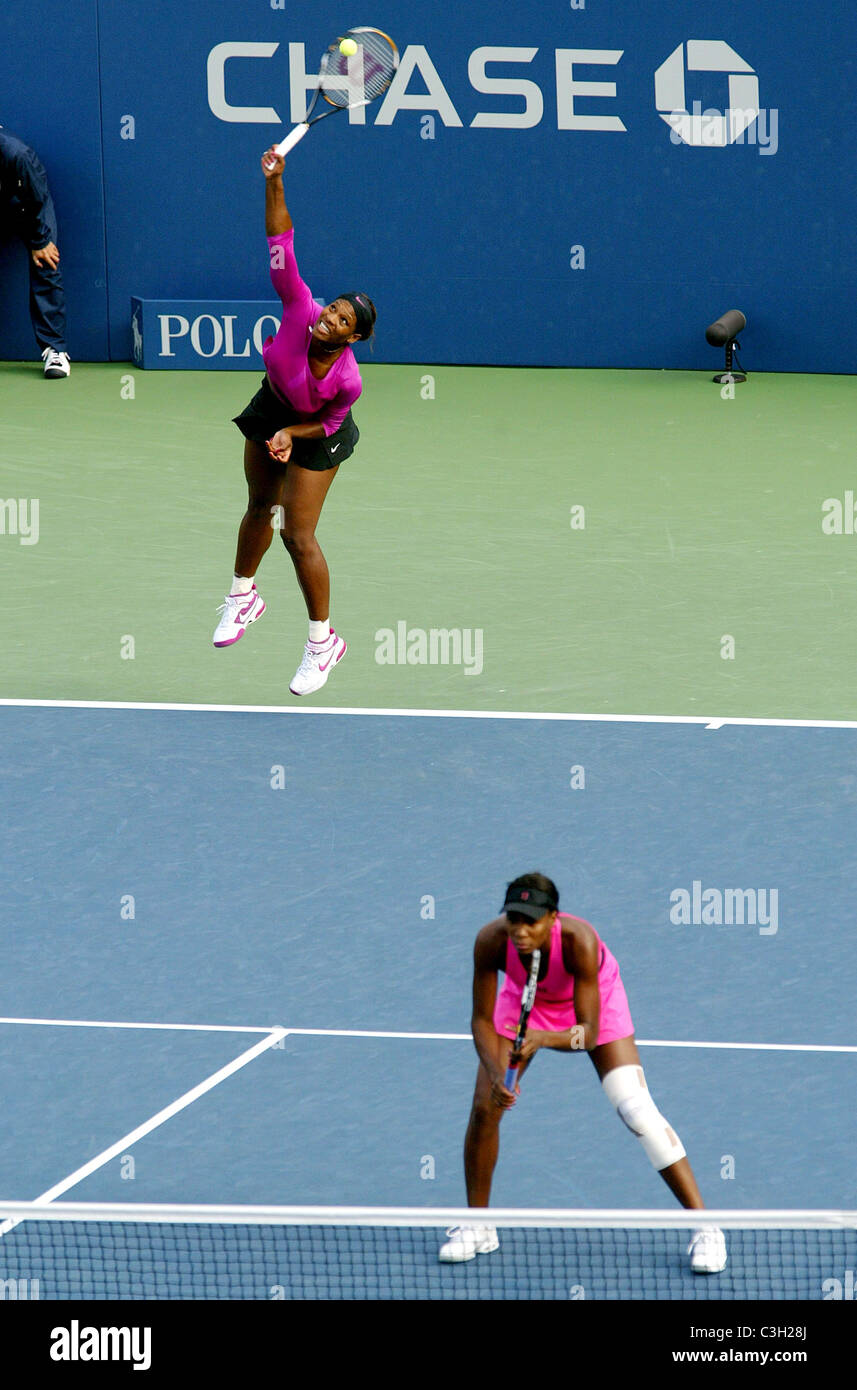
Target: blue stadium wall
<point>529,204</point>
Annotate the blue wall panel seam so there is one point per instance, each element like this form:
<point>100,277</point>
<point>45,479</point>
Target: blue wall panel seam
<point>96,4</point>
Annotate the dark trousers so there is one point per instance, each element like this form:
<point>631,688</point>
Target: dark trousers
<point>47,296</point>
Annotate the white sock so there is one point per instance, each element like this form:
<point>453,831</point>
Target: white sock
<point>240,585</point>
<point>319,632</point>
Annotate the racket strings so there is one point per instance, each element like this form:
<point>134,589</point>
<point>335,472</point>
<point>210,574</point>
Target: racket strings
<point>378,58</point>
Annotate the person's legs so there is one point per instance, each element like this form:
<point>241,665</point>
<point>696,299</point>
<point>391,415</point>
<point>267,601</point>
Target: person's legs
<point>624,1083</point>
<point>47,298</point>
<point>243,604</point>
<point>481,1148</point>
<point>266,481</point>
<point>677,1175</point>
<point>302,500</point>
<point>482,1140</point>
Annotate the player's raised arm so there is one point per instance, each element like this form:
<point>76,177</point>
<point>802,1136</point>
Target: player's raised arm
<point>279,229</point>
<point>277,218</point>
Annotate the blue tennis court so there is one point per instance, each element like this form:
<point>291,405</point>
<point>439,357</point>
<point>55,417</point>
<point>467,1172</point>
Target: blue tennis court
<point>325,874</point>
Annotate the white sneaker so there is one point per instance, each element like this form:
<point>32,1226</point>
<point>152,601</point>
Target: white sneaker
<point>56,363</point>
<point>707,1250</point>
<point>239,611</point>
<point>317,664</point>
<point>466,1242</point>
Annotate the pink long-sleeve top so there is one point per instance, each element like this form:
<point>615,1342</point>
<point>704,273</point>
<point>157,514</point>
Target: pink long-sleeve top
<point>286,362</point>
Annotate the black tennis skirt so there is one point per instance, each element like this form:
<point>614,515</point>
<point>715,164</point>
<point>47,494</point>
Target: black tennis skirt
<point>266,414</point>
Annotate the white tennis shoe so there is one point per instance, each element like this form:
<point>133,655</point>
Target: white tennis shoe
<point>317,664</point>
<point>466,1242</point>
<point>239,611</point>
<point>57,364</point>
<point>707,1250</point>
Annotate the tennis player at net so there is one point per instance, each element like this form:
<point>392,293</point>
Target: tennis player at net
<point>580,1005</point>
<point>298,429</point>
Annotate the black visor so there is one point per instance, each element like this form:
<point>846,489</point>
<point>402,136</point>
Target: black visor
<point>529,902</point>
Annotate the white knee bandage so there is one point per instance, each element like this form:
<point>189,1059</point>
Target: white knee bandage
<point>625,1088</point>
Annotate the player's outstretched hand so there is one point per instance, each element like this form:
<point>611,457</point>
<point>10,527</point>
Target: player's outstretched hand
<point>280,446</point>
<point>273,164</point>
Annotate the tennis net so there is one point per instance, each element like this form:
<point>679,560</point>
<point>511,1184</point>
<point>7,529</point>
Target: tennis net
<point>74,1250</point>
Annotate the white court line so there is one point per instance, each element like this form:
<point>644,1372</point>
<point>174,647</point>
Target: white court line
<point>710,721</point>
<point>641,1042</point>
<point>283,1032</point>
<point>274,1036</point>
<point>750,1047</point>
<point>98,1023</point>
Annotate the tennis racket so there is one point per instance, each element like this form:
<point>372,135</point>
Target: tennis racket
<point>346,82</point>
<point>528,998</point>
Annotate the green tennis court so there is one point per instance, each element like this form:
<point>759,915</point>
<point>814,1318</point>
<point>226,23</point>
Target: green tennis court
<point>459,578</point>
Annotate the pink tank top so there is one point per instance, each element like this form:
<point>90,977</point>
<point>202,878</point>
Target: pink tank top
<point>553,1010</point>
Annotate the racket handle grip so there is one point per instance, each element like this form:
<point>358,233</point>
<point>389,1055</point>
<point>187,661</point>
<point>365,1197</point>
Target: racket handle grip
<point>292,139</point>
<point>511,1078</point>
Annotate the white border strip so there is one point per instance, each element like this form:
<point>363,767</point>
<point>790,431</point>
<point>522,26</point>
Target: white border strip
<point>183,1214</point>
<point>709,721</point>
<point>167,1113</point>
<point>283,1032</point>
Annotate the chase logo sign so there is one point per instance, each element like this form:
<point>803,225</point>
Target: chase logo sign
<point>707,55</point>
<point>531,102</point>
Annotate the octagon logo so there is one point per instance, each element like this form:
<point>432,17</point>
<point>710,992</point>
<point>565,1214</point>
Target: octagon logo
<point>713,129</point>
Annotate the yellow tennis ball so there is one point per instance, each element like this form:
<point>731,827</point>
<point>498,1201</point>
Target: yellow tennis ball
<point>348,48</point>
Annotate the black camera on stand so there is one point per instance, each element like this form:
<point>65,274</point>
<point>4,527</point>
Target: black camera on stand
<point>724,333</point>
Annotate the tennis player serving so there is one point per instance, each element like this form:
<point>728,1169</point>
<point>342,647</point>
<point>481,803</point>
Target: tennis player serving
<point>579,1005</point>
<point>298,429</point>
